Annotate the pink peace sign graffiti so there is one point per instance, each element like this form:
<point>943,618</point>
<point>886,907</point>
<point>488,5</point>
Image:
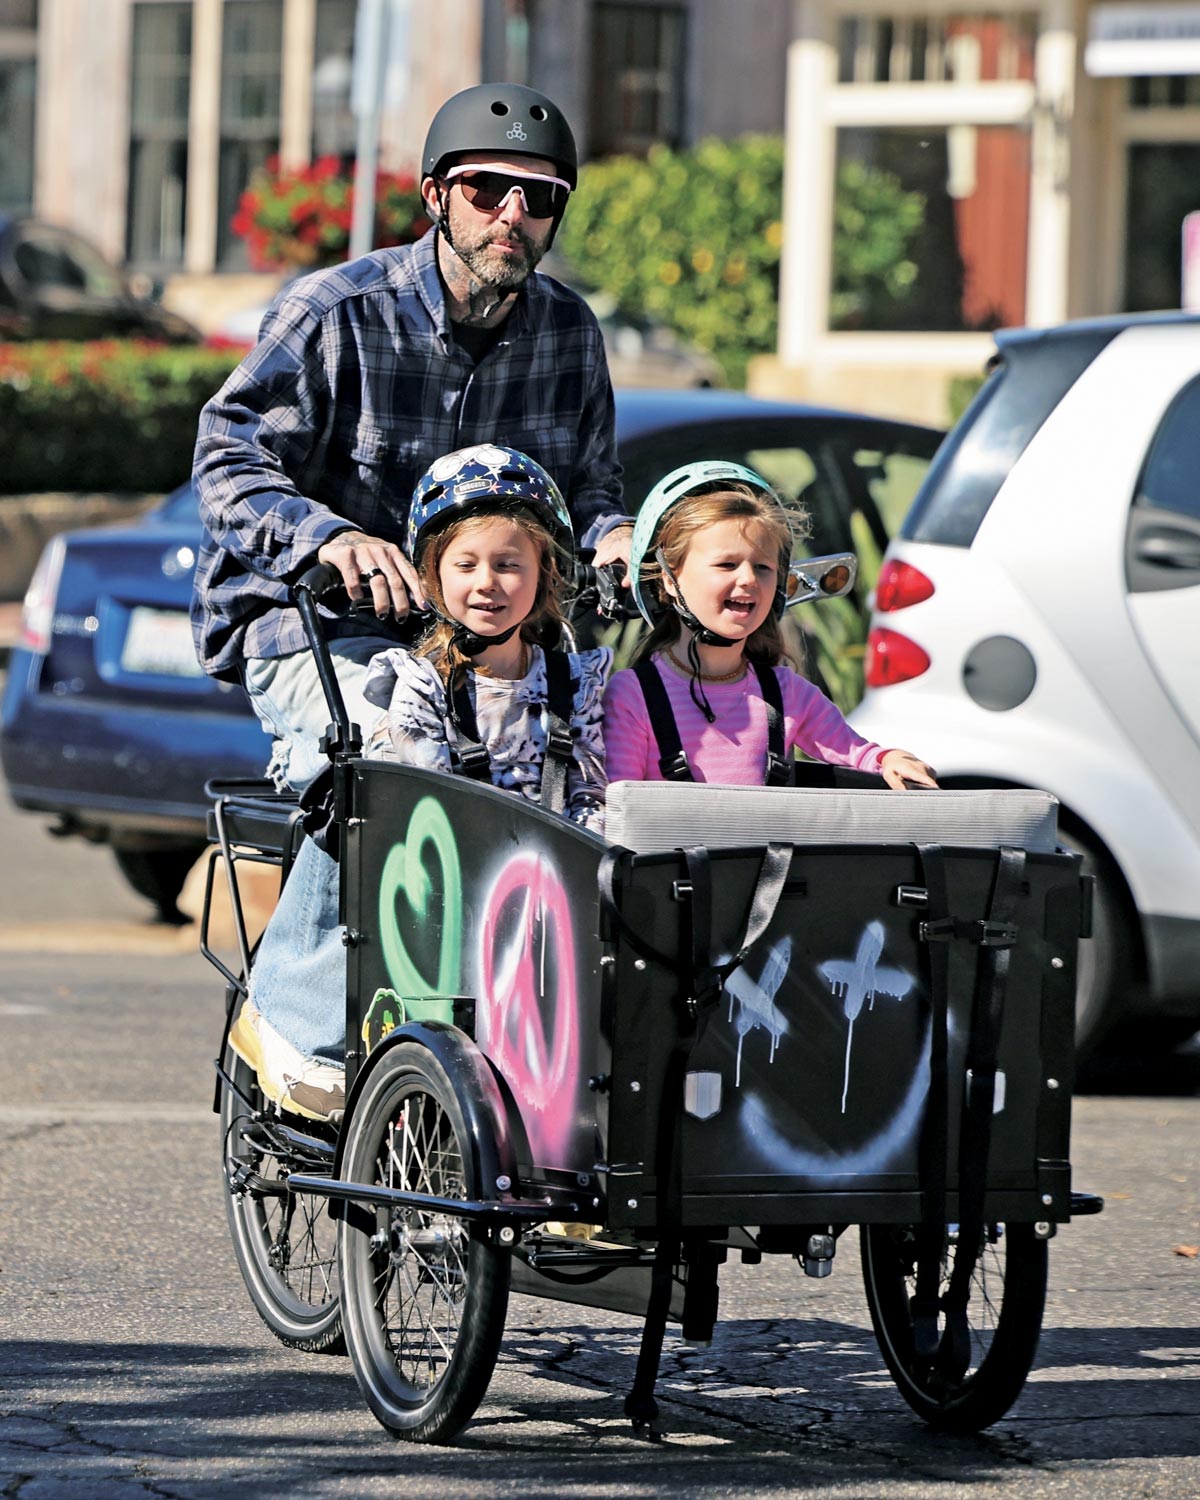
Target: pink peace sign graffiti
<point>539,1070</point>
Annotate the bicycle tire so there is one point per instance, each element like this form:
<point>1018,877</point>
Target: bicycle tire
<point>424,1295</point>
<point>1004,1310</point>
<point>285,1244</point>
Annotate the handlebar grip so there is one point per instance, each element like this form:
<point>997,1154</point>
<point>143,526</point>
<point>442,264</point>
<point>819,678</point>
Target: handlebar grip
<point>318,580</point>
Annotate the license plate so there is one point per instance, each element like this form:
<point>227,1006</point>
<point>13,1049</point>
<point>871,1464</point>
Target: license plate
<point>159,642</point>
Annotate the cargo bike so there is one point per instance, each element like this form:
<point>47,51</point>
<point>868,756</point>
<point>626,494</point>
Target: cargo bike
<point>597,1069</point>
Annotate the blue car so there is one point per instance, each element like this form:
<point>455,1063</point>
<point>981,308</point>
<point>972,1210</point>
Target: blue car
<point>110,726</point>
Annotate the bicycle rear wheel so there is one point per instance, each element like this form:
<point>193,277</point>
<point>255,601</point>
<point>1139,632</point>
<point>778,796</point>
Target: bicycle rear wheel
<point>424,1293</point>
<point>285,1244</point>
<point>1004,1313</point>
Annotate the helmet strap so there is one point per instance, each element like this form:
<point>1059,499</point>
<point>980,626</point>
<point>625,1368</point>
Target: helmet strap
<point>467,643</point>
<point>701,634</point>
<point>696,685</point>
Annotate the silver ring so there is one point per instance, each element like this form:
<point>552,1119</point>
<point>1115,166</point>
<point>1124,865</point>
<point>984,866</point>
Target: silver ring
<point>372,573</point>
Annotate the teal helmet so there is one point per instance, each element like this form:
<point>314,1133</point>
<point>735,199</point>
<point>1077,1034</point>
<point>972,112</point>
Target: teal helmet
<point>673,487</point>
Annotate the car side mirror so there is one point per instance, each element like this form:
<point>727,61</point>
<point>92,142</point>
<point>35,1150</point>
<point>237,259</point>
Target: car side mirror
<point>821,578</point>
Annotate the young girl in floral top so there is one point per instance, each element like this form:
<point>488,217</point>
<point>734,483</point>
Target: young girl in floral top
<point>488,532</point>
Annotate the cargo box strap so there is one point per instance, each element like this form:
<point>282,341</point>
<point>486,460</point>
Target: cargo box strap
<point>705,981</point>
<point>995,937</point>
<point>935,1132</point>
<point>975,1138</point>
<point>672,758</point>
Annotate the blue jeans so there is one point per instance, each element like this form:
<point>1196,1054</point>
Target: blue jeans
<point>299,977</point>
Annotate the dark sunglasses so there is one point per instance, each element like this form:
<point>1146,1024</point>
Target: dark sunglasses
<point>543,197</point>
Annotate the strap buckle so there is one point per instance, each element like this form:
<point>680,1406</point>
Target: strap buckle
<point>560,742</point>
<point>983,931</point>
<point>676,769</point>
<point>474,762</point>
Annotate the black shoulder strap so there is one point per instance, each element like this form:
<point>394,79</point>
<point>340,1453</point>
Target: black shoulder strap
<point>468,757</point>
<point>779,772</point>
<point>560,744</point>
<point>672,761</point>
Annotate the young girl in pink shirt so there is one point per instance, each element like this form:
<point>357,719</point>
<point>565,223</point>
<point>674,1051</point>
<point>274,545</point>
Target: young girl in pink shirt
<point>710,698</point>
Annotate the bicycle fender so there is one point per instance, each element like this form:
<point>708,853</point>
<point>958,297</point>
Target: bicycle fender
<point>493,1147</point>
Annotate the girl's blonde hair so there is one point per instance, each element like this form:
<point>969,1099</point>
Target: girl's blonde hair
<point>685,520</point>
<point>542,626</point>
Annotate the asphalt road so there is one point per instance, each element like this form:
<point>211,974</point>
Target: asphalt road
<point>132,1365</point>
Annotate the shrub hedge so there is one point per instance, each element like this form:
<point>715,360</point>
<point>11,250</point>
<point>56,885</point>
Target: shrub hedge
<point>108,415</point>
<point>691,238</point>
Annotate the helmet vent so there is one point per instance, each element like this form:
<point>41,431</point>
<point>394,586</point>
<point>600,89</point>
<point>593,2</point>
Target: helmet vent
<point>538,112</point>
<point>499,107</point>
<point>514,476</point>
<point>435,491</point>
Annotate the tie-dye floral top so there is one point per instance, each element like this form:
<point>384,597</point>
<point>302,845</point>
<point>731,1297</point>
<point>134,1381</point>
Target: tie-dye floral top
<point>417,730</point>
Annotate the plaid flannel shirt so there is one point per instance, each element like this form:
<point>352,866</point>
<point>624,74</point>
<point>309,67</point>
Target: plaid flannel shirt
<point>352,391</point>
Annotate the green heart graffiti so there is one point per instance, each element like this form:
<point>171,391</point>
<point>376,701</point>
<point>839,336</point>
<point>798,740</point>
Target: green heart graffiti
<point>404,870</point>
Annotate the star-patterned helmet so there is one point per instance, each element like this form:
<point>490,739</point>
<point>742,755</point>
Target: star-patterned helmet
<point>486,477</point>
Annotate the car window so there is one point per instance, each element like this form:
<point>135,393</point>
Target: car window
<point>48,259</point>
<point>181,505</point>
<point>893,480</point>
<point>1169,479</point>
<point>1027,381</point>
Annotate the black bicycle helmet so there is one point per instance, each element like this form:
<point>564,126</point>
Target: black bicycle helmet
<point>503,117</point>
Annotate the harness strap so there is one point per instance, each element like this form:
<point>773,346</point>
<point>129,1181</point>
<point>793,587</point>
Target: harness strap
<point>672,758</point>
<point>470,757</point>
<point>779,768</point>
<point>556,717</point>
<point>672,761</point>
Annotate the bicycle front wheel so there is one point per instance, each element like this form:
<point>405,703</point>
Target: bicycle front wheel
<point>424,1293</point>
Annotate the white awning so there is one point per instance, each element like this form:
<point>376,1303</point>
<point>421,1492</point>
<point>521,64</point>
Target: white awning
<point>1130,41</point>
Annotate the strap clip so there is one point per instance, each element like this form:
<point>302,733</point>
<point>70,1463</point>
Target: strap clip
<point>474,762</point>
<point>676,769</point>
<point>983,932</point>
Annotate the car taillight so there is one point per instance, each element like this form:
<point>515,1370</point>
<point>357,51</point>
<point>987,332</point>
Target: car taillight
<point>892,658</point>
<point>900,584</point>
<point>37,613</point>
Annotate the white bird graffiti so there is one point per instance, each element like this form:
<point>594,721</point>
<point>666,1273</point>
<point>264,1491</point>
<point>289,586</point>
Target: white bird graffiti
<point>756,999</point>
<point>856,981</point>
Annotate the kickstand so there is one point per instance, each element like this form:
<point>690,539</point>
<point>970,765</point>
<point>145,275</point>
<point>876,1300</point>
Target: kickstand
<point>640,1406</point>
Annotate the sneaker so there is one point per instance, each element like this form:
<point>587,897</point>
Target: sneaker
<point>316,1090</point>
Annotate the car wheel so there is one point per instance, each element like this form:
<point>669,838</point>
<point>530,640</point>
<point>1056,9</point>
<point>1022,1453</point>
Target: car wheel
<point>158,875</point>
<point>1105,963</point>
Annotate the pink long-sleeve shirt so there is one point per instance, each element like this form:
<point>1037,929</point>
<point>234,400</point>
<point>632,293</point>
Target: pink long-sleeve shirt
<point>732,751</point>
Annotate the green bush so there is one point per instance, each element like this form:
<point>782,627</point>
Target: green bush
<point>691,238</point>
<point>110,415</point>
<point>875,223</point>
<point>961,393</point>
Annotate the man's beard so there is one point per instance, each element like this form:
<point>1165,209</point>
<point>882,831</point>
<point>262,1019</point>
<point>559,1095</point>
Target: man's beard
<point>504,272</point>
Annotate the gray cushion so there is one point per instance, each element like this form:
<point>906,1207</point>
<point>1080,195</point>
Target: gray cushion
<point>646,816</point>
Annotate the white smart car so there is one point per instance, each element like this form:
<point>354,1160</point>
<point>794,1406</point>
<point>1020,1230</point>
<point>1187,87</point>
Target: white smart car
<point>1037,624</point>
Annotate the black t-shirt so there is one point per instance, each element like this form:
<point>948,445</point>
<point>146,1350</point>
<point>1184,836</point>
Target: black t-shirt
<point>475,341</point>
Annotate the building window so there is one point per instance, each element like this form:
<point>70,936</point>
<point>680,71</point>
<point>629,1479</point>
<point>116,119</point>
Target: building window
<point>158,136</point>
<point>930,228</point>
<point>251,83</point>
<point>936,48</point>
<point>333,132</point>
<point>18,80</point>
<point>636,78</point>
